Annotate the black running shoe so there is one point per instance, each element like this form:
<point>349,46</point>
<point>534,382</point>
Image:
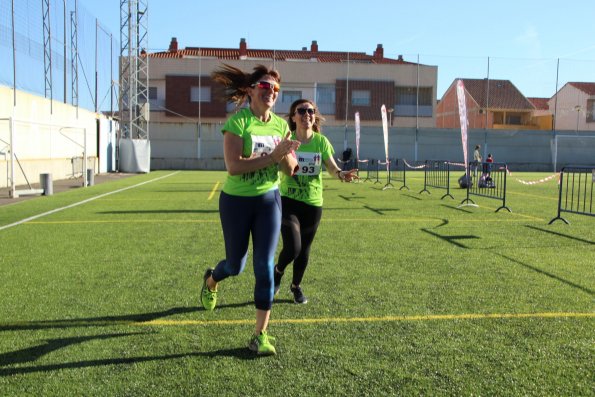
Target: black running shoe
<point>277,280</point>
<point>298,295</point>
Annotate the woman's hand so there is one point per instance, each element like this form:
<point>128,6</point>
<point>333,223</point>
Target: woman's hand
<point>347,176</point>
<point>285,147</point>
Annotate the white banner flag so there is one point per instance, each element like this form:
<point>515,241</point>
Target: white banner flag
<point>463,120</point>
<point>357,136</point>
<point>385,130</point>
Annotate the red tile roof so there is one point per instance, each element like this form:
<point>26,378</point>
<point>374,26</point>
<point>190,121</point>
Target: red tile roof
<point>501,94</point>
<point>588,88</point>
<point>540,103</point>
<point>283,55</point>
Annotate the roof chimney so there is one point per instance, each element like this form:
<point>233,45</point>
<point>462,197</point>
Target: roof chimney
<point>243,49</point>
<point>173,45</point>
<point>379,52</point>
<point>314,47</point>
<point>400,58</point>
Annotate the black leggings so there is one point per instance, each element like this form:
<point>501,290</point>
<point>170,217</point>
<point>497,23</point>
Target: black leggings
<point>299,222</point>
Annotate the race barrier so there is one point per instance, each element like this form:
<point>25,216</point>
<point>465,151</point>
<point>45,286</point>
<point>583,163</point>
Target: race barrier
<point>386,165</point>
<point>575,192</point>
<point>363,165</point>
<point>398,173</point>
<point>486,180</point>
<point>437,175</point>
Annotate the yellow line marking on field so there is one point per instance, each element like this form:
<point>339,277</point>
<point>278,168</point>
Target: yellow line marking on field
<point>126,221</point>
<point>213,191</point>
<point>396,220</point>
<point>470,316</point>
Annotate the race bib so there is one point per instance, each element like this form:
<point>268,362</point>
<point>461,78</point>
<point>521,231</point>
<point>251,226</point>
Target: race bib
<point>263,145</point>
<point>309,163</point>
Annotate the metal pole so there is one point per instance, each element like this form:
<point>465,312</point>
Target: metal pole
<point>111,75</point>
<point>96,33</point>
<point>487,94</point>
<point>64,2</point>
<point>14,64</point>
<point>416,113</point>
<point>12,184</point>
<point>199,101</point>
<point>85,180</point>
<point>555,141</point>
<point>346,104</point>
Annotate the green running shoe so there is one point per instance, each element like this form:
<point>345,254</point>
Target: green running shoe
<point>261,344</point>
<point>208,298</point>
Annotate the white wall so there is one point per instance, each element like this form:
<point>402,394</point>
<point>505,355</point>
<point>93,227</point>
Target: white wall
<point>175,146</point>
<point>48,137</point>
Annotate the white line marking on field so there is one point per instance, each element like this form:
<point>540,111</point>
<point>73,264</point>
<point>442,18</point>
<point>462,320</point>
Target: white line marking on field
<point>31,218</point>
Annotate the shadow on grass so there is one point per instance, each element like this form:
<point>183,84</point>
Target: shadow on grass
<point>240,353</point>
<point>159,212</point>
<point>353,197</point>
<point>561,235</point>
<point>451,239</point>
<point>457,208</point>
<point>34,353</point>
<point>413,197</point>
<point>553,276</point>
<point>97,321</point>
<point>380,211</point>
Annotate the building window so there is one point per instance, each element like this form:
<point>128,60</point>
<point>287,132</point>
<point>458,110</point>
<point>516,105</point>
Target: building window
<point>590,110</point>
<point>152,92</point>
<point>288,97</point>
<point>360,98</point>
<point>200,94</point>
<point>406,101</point>
<point>325,98</point>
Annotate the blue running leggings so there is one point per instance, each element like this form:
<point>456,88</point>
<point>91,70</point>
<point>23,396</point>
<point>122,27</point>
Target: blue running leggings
<point>259,216</point>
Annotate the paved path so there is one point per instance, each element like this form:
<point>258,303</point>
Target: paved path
<point>60,186</point>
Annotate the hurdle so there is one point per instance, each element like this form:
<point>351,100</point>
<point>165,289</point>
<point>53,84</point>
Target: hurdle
<point>437,175</point>
<point>575,191</point>
<point>491,183</point>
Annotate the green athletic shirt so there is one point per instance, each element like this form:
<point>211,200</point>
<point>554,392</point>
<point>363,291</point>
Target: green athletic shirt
<point>259,138</point>
<point>306,184</point>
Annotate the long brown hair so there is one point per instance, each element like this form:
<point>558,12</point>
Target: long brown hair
<point>318,119</point>
<point>236,82</point>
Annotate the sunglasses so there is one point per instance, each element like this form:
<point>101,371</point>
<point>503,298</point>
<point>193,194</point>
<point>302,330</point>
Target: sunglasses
<point>303,111</point>
<point>265,85</point>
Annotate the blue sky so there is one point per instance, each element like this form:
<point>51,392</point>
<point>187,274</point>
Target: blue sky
<point>523,40</point>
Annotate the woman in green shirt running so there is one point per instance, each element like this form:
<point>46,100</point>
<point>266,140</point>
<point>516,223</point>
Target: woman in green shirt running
<point>255,145</point>
<point>301,194</point>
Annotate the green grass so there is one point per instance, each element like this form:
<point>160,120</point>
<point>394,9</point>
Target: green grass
<point>408,295</point>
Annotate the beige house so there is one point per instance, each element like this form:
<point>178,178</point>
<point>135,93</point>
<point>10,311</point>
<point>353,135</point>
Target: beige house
<point>341,83</point>
<point>573,107</point>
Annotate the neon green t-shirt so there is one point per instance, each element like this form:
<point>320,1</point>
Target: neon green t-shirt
<point>306,184</point>
<point>259,138</point>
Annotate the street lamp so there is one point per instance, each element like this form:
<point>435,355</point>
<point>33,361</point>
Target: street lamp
<point>578,112</point>
<point>390,116</point>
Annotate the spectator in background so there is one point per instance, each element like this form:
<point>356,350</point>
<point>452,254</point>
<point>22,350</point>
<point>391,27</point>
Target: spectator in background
<point>476,160</point>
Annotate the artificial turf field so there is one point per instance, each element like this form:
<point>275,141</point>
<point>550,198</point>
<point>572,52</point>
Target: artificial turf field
<point>409,294</point>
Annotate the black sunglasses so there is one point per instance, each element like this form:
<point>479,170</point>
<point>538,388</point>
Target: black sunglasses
<point>302,111</point>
